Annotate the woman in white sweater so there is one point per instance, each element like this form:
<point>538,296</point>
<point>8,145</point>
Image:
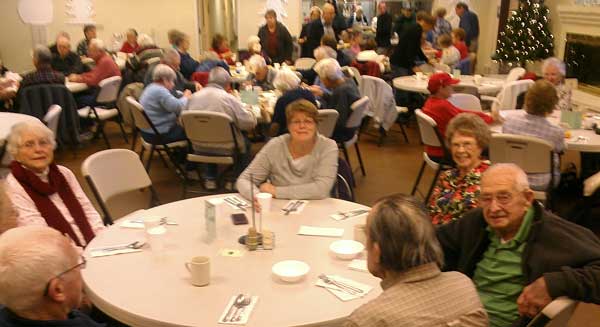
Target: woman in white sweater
<point>298,165</point>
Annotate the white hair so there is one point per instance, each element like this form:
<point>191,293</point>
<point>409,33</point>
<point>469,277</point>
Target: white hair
<point>329,68</point>
<point>286,80</point>
<point>254,43</point>
<point>30,256</point>
<point>16,132</point>
<point>521,182</point>
<point>324,52</point>
<point>163,72</point>
<point>171,55</point>
<point>256,62</point>
<point>99,44</point>
<point>559,64</point>
<point>144,40</point>
<point>219,76</point>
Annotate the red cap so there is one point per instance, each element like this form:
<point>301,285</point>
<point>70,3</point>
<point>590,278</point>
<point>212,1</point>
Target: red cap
<point>438,80</point>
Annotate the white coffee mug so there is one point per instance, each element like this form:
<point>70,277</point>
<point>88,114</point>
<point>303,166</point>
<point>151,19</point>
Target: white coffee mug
<point>199,268</point>
<point>477,79</point>
<point>264,199</point>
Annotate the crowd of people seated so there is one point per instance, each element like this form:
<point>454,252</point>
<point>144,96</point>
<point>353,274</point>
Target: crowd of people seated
<point>481,242</point>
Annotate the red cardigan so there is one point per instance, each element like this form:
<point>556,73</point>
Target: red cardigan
<point>128,48</point>
<point>105,68</point>
<point>462,48</point>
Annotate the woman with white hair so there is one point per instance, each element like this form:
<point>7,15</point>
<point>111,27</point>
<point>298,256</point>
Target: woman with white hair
<point>276,39</point>
<point>162,107</point>
<point>44,193</point>
<point>554,71</point>
<point>131,43</point>
<point>261,75</point>
<point>358,18</point>
<point>343,93</point>
<point>288,83</point>
<point>254,47</point>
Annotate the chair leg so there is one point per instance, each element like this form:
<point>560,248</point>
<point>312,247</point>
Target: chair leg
<point>123,131</point>
<point>101,127</point>
<point>437,174</point>
<point>149,159</point>
<point>349,165</point>
<point>162,158</point>
<point>362,166</point>
<point>414,189</point>
<point>403,132</point>
<point>134,139</point>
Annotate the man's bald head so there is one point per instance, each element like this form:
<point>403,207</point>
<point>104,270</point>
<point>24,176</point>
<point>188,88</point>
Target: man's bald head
<point>63,45</point>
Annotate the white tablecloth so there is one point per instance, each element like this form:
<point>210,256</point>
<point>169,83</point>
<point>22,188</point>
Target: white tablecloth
<point>146,289</point>
<point>411,83</point>
<point>9,119</point>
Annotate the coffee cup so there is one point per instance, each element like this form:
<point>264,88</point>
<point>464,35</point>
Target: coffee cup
<point>156,238</point>
<point>199,268</point>
<point>264,199</point>
<point>477,79</point>
<point>360,233</point>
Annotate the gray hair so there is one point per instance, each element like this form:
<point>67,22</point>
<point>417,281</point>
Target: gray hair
<point>99,44</point>
<point>404,233</point>
<point>559,64</point>
<point>254,43</point>
<point>144,40</point>
<point>171,55</point>
<point>30,256</point>
<point>63,34</point>
<point>209,55</point>
<point>163,72</point>
<point>324,52</point>
<point>16,134</point>
<point>521,182</point>
<point>286,80</point>
<point>42,55</point>
<point>219,76</point>
<point>469,125</point>
<point>329,68</point>
<point>256,62</point>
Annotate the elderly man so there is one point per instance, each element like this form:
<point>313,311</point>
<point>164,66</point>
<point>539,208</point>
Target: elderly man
<point>260,73</point>
<point>63,59</point>
<point>408,49</point>
<point>215,98</point>
<point>90,33</point>
<point>519,255</point>
<point>470,23</point>
<point>105,66</point>
<point>172,59</point>
<point>43,74</point>
<point>403,251</point>
<point>383,32</point>
<point>319,27</point>
<point>41,279</point>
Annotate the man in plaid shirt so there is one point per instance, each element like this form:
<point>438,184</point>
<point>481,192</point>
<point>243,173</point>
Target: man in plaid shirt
<point>42,57</point>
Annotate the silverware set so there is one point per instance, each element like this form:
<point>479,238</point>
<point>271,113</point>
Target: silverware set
<point>234,201</point>
<point>352,213</point>
<point>237,308</point>
<point>163,221</point>
<point>292,206</point>
<point>133,245</point>
<point>341,286</point>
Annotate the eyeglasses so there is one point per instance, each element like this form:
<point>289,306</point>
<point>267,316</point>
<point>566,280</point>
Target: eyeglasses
<point>79,265</point>
<point>502,198</point>
<point>306,122</point>
<point>464,145</point>
<point>42,143</point>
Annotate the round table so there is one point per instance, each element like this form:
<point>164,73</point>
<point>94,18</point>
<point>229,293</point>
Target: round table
<point>153,289</point>
<point>488,85</point>
<point>581,140</point>
<point>9,119</point>
<point>75,87</point>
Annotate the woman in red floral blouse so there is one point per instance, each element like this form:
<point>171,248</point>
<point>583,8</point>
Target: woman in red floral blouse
<point>457,189</point>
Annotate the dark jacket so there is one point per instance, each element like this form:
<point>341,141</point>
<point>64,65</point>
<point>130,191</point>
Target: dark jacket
<point>76,319</point>
<point>470,23</point>
<point>284,43</point>
<point>565,254</point>
<point>71,64</point>
<point>314,33</point>
<point>340,99</point>
<point>403,22</point>
<point>384,30</point>
<point>188,65</point>
<point>408,48</point>
<point>181,83</point>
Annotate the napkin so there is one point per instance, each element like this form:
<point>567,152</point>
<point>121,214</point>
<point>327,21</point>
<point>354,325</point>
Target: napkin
<point>103,253</point>
<point>131,223</point>
<point>245,315</point>
<point>320,231</point>
<point>344,296</point>
<point>230,200</point>
<point>298,209</point>
<point>358,264</point>
<point>349,214</point>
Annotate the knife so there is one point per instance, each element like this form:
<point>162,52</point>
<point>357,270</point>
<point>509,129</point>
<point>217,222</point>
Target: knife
<point>230,311</point>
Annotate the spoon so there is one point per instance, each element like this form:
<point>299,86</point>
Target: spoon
<point>132,245</point>
<point>238,316</point>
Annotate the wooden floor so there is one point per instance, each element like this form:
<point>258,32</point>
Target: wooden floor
<point>391,168</point>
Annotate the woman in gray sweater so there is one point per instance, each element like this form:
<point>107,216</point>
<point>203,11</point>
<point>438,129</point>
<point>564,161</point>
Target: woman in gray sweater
<point>298,165</point>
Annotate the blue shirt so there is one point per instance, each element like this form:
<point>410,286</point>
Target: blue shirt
<point>188,64</point>
<point>470,23</point>
<point>75,319</point>
<point>161,107</point>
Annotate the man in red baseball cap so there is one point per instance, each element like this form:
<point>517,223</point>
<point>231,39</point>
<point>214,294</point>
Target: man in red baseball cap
<point>442,111</point>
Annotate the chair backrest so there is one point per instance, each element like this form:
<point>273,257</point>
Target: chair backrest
<point>326,120</point>
<point>109,89</point>
<point>305,63</point>
<point>556,314</point>
<point>428,129</point>
<point>52,118</point>
<point>342,189</point>
<point>532,154</point>
<point>152,60</point>
<point>116,177</point>
<point>140,120</point>
<point>356,75</point>
<point>507,98</point>
<point>359,111</point>
<point>465,101</point>
<point>209,129</point>
<point>467,89</point>
<point>515,73</point>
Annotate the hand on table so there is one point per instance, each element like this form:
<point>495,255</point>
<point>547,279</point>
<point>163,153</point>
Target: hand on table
<point>267,188</point>
<point>534,298</point>
<point>74,78</point>
<point>198,86</point>
<point>316,91</point>
<point>187,94</point>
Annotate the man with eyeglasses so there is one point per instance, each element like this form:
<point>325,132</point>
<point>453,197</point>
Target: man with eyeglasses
<point>40,279</point>
<point>519,255</point>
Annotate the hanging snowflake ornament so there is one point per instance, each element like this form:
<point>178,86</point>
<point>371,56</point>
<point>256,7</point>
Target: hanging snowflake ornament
<point>80,11</point>
<point>278,6</point>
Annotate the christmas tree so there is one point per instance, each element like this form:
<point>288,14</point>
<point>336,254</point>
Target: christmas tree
<point>526,35</point>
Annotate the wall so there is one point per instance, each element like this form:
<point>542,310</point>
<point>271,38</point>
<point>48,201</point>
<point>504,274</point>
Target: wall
<point>153,17</point>
<point>250,16</point>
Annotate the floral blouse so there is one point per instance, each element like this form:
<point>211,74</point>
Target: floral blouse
<point>564,97</point>
<point>454,195</point>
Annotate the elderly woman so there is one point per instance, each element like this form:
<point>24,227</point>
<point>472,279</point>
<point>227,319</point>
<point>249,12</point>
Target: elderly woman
<point>221,48</point>
<point>162,107</point>
<point>254,47</point>
<point>276,39</point>
<point>554,71</point>
<point>131,43</point>
<point>540,101</point>
<point>43,193</point>
<point>188,64</point>
<point>457,189</point>
<point>288,83</point>
<point>261,74</point>
<point>298,165</point>
<point>343,93</point>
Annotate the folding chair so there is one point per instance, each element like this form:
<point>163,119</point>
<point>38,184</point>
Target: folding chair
<point>515,73</point>
<point>556,314</point>
<point>119,182</point>
<point>52,118</point>
<point>507,98</point>
<point>326,120</point>
<point>465,101</point>
<point>304,63</point>
<point>359,111</point>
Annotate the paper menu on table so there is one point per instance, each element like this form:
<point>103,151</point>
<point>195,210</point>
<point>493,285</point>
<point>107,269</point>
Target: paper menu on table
<point>320,231</point>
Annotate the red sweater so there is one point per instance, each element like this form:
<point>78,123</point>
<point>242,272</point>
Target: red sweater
<point>462,48</point>
<point>105,68</point>
<point>128,48</point>
<point>442,111</point>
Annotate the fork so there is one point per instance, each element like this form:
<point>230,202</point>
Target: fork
<point>240,307</point>
<point>292,207</point>
<point>342,286</point>
<point>132,245</point>
<point>163,221</point>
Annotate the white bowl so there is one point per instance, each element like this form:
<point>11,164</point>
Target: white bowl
<point>346,249</point>
<point>290,270</point>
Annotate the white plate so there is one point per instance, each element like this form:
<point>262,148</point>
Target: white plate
<point>290,270</point>
<point>346,249</point>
